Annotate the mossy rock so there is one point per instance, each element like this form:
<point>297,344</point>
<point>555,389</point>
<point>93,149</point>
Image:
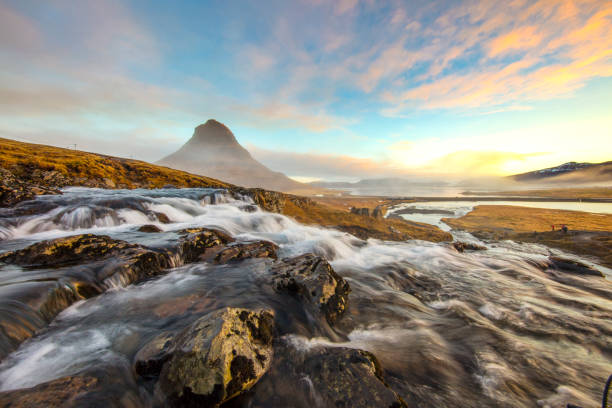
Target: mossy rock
<point>221,355</point>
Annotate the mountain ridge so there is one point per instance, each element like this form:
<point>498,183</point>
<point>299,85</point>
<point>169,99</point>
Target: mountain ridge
<point>570,172</point>
<point>213,150</point>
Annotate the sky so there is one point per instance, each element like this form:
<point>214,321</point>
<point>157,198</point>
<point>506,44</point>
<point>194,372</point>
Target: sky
<point>336,90</point>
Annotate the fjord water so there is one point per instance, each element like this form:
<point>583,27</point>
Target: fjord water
<point>473,329</point>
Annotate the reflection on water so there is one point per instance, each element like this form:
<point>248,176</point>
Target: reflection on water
<point>488,328</point>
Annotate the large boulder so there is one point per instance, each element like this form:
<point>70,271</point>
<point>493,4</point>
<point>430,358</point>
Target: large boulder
<point>313,280</point>
<point>324,377</point>
<point>221,355</point>
<point>67,251</point>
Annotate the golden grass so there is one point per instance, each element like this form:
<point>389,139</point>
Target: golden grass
<point>83,168</point>
<point>526,219</point>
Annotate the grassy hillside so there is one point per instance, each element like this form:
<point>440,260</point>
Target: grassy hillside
<point>30,169</point>
<point>56,167</point>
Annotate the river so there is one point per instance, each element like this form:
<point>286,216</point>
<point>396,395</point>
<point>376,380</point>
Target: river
<point>473,329</point>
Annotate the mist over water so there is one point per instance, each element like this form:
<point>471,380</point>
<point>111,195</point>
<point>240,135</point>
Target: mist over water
<point>490,328</point>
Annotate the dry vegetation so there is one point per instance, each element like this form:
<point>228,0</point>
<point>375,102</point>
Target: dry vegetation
<point>589,233</point>
<point>89,169</point>
<point>499,218</point>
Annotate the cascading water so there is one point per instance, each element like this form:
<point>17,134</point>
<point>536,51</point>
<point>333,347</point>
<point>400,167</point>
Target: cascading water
<point>474,329</point>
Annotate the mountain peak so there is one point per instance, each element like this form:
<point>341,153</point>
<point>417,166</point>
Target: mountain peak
<point>213,133</point>
<point>214,151</point>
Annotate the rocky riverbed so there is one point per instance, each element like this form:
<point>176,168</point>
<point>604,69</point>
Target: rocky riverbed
<point>198,297</point>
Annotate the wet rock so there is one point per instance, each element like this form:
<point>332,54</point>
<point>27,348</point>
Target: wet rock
<point>249,208</point>
<point>161,217</point>
<point>312,279</point>
<point>271,201</point>
<point>67,251</point>
<point>150,359</point>
<point>240,251</point>
<point>91,264</point>
<point>325,377</point>
<point>104,386</point>
<point>14,190</point>
<point>198,242</point>
<point>218,357</point>
<point>62,392</point>
<point>467,246</point>
<point>149,228</point>
<point>572,266</point>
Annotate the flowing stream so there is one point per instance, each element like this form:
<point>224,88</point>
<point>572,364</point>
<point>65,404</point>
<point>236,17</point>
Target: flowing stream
<point>485,328</point>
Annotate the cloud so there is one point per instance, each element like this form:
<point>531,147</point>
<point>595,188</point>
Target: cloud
<point>522,38</point>
<point>556,47</point>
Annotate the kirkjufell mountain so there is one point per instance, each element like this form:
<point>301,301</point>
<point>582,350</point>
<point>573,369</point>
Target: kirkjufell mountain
<point>213,151</point>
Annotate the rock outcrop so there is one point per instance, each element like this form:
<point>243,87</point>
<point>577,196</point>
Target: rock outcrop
<point>221,355</point>
<point>313,280</point>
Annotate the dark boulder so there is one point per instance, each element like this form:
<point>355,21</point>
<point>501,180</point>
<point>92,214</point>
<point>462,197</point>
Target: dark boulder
<point>312,279</point>
<point>324,377</point>
<point>572,266</point>
<point>149,228</point>
<point>221,355</point>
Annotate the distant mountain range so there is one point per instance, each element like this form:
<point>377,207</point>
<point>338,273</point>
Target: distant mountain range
<point>570,173</point>
<point>214,151</point>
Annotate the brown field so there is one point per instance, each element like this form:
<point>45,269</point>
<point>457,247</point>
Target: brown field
<point>589,234</point>
<point>525,219</point>
<point>30,162</point>
<point>578,193</point>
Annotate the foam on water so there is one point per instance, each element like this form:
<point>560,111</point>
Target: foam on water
<point>459,322</point>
